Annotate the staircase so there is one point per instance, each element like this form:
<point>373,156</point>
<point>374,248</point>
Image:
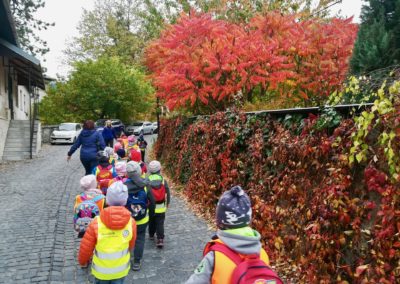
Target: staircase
<point>17,145</point>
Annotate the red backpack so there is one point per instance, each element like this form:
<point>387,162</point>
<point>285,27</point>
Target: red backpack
<point>135,155</point>
<point>250,269</point>
<point>159,193</point>
<point>103,177</point>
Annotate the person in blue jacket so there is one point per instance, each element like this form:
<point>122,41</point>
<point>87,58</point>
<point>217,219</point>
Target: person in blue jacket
<point>109,134</point>
<point>90,141</point>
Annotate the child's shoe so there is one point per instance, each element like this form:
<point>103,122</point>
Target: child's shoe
<point>136,265</point>
<point>160,243</point>
<point>151,238</point>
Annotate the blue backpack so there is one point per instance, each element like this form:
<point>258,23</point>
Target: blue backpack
<point>137,204</point>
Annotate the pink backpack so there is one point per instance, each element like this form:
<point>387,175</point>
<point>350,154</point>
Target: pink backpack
<point>249,269</point>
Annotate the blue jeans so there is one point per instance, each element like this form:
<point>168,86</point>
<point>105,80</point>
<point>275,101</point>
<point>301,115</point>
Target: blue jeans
<point>115,281</point>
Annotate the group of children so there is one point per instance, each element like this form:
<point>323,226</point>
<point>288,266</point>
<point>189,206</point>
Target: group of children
<point>119,201</point>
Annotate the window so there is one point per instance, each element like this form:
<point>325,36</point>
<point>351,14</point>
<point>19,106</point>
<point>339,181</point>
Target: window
<point>78,127</point>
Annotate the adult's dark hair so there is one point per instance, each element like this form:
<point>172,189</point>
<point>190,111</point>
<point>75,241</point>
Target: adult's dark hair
<point>88,124</point>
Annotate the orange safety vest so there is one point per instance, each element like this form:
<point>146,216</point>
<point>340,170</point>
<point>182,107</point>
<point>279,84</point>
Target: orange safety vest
<point>224,266</point>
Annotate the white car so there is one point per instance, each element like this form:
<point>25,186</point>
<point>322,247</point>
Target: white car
<point>66,133</point>
<point>143,128</point>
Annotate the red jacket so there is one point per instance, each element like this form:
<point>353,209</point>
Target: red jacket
<point>114,217</point>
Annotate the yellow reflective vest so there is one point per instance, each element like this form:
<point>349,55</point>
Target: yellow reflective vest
<point>145,220</point>
<point>111,259</point>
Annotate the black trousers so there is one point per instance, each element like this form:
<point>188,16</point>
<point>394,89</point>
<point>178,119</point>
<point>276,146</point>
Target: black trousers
<point>156,225</point>
<point>89,165</point>
<point>109,142</point>
<point>143,152</point>
<point>140,240</point>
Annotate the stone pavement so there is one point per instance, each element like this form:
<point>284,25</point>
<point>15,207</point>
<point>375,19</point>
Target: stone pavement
<point>37,240</point>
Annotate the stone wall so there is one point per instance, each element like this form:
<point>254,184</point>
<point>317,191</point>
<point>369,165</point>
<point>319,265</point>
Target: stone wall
<point>46,132</point>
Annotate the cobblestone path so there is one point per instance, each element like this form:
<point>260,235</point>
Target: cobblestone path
<point>37,240</point>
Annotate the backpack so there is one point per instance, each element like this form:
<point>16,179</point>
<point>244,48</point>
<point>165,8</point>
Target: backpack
<point>135,155</point>
<point>103,178</point>
<point>85,212</point>
<point>104,173</point>
<point>250,269</point>
<point>159,193</point>
<point>137,204</point>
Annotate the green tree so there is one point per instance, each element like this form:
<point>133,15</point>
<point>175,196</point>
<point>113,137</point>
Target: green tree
<point>103,88</point>
<point>378,42</point>
<point>27,25</point>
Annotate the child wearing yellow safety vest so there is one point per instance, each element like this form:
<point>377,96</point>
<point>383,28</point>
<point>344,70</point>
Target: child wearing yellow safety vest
<point>110,238</point>
<point>238,241</point>
<point>141,205</point>
<point>159,187</point>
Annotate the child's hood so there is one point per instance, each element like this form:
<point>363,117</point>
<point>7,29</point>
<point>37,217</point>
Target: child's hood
<point>115,217</point>
<point>241,244</point>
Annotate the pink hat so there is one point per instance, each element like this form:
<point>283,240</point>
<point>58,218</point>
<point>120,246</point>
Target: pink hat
<point>117,146</point>
<point>89,182</point>
<point>120,168</point>
<point>131,138</point>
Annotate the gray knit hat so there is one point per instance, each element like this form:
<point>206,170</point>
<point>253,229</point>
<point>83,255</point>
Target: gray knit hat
<point>117,194</point>
<point>233,209</point>
<point>133,168</point>
<point>154,167</point>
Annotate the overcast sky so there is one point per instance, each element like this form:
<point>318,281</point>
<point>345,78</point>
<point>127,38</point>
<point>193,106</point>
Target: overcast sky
<point>67,13</point>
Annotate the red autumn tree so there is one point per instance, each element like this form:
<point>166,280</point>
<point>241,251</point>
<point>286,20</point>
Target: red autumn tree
<point>206,65</point>
<point>317,55</point>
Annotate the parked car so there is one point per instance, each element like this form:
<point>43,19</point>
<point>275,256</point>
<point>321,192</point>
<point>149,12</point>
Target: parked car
<point>66,133</point>
<point>155,127</point>
<point>115,123</point>
<point>143,127</point>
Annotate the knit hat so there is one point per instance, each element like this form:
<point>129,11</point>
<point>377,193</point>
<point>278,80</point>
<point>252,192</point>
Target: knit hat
<point>131,139</point>
<point>133,168</point>
<point>109,151</point>
<point>154,167</point>
<point>120,168</point>
<point>117,146</point>
<point>88,182</point>
<point>233,209</point>
<point>117,194</point>
<point>121,153</point>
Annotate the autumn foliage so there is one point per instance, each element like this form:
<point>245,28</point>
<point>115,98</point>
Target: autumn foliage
<point>321,220</point>
<point>207,64</point>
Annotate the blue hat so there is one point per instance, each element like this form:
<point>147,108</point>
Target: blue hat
<point>234,209</point>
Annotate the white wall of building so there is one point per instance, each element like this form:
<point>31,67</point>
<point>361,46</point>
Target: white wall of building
<point>21,104</point>
<point>4,111</point>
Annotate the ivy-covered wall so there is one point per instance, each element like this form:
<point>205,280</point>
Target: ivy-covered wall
<point>324,217</point>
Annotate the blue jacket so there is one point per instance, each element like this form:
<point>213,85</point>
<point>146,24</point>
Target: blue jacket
<point>91,141</point>
<point>109,133</point>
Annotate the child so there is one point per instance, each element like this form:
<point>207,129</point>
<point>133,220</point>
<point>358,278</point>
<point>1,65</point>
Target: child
<point>104,172</point>
<point>159,188</point>
<point>110,238</point>
<point>120,168</point>
<point>122,155</point>
<point>141,205</point>
<point>235,239</point>
<point>110,153</point>
<point>88,204</point>
<point>132,143</point>
<point>142,146</point>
